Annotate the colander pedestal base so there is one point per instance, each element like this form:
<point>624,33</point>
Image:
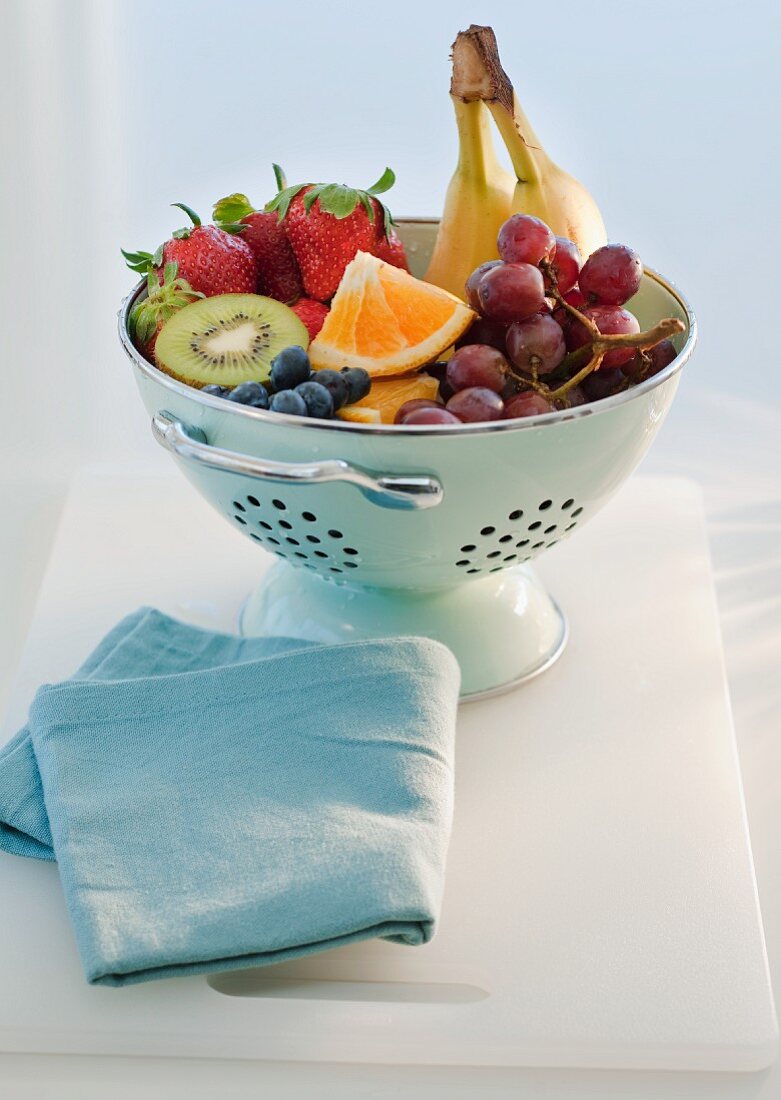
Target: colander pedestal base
<point>503,629</point>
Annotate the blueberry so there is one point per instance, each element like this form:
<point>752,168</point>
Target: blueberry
<point>359,383</point>
<point>250,393</point>
<point>215,390</point>
<point>289,368</point>
<point>336,384</point>
<point>318,399</point>
<point>290,402</point>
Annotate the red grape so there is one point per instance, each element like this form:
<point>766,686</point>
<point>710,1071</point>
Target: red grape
<point>565,262</point>
<point>602,383</point>
<point>527,404</point>
<point>477,365</point>
<point>610,320</point>
<point>524,239</point>
<point>410,406</point>
<point>473,280</point>
<point>575,397</point>
<point>536,342</point>
<point>511,292</point>
<point>661,355</point>
<point>611,275</point>
<point>485,331</point>
<point>475,404</point>
<point>431,415</point>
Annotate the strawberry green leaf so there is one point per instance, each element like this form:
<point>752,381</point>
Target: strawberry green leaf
<point>189,212</point>
<point>157,259</point>
<point>281,202</point>
<point>169,273</point>
<point>280,177</point>
<point>366,202</point>
<point>232,209</point>
<point>312,195</point>
<point>337,199</point>
<point>140,262</point>
<point>384,183</point>
<point>232,227</point>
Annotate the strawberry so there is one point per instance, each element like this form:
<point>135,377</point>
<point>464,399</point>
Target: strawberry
<point>312,313</point>
<point>278,274</point>
<point>163,300</point>
<point>391,250</point>
<point>209,259</point>
<point>327,224</point>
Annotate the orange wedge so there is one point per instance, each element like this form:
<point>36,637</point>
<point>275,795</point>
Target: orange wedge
<point>386,321</point>
<point>359,415</point>
<point>389,394</point>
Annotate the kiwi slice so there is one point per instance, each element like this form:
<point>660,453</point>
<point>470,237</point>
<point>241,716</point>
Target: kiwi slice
<point>227,339</point>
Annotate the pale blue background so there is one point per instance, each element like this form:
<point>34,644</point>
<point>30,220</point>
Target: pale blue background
<point>668,111</point>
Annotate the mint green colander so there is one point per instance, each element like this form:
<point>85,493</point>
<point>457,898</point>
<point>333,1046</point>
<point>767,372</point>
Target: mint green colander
<point>381,530</point>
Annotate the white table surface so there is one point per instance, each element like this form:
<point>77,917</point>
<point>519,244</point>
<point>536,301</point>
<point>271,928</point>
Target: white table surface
<point>668,112</point>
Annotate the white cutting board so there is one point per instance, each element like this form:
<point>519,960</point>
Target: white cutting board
<point>601,908</point>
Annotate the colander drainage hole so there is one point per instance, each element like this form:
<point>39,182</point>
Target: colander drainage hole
<point>312,538</point>
<point>523,542</point>
<point>293,542</point>
<point>576,512</point>
<point>350,564</point>
<point>550,529</point>
<point>569,528</point>
<point>335,534</point>
<point>280,504</point>
<point>287,526</point>
<point>257,538</point>
<point>254,502</point>
<point>537,545</point>
<point>535,525</point>
<point>468,548</point>
<point>545,505</point>
<point>349,550</point>
<point>510,557</point>
<point>238,519</point>
<point>487,530</point>
<point>495,569</point>
<point>239,506</point>
<point>494,554</point>
<point>473,570</point>
<point>516,514</point>
<point>274,541</point>
<point>464,561</point>
<point>320,554</point>
<point>567,504</point>
<point>310,517</point>
<point>265,526</point>
<point>506,538</point>
<point>336,569</point>
<point>298,554</point>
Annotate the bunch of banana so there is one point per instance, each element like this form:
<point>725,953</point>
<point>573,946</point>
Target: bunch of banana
<point>477,202</point>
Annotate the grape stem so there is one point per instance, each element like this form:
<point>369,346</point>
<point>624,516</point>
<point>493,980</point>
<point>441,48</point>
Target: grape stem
<point>601,344</point>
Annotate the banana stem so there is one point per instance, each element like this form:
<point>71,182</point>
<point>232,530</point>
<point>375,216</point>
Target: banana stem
<point>478,75</point>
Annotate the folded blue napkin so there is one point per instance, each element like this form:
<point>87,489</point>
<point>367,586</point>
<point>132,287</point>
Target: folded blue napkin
<point>145,643</point>
<point>222,802</point>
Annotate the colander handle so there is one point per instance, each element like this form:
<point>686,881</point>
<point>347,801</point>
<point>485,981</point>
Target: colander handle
<point>386,490</point>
